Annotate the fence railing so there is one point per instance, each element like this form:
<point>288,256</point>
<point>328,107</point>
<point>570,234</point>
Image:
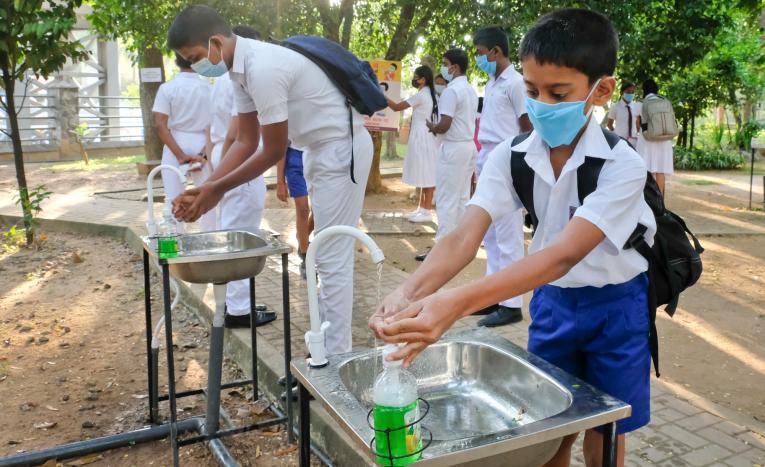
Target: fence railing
<point>37,120</point>
<point>110,118</point>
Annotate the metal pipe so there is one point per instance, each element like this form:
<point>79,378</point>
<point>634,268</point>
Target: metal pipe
<point>321,455</point>
<point>287,344</point>
<point>253,340</point>
<point>221,453</point>
<point>81,448</point>
<point>215,361</point>
<point>305,426</point>
<point>610,445</point>
<point>147,309</point>
<point>314,338</point>
<point>170,363</point>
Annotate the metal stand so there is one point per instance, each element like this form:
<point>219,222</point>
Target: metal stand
<point>304,419</point>
<point>751,179</point>
<point>207,427</point>
<point>610,445</point>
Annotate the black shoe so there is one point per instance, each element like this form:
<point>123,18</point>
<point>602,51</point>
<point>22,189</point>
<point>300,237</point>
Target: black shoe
<point>421,257</point>
<point>243,321</point>
<point>486,311</point>
<point>283,381</point>
<point>501,316</point>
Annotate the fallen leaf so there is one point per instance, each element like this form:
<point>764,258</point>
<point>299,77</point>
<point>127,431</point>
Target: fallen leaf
<point>44,425</point>
<point>258,452</point>
<point>140,396</point>
<point>51,408</point>
<point>50,463</point>
<point>286,450</point>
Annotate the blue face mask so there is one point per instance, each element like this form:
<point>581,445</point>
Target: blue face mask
<point>559,123</point>
<point>628,97</point>
<point>482,62</point>
<point>445,73</point>
<point>206,68</point>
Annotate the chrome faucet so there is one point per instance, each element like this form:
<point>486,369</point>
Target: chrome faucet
<point>314,338</point>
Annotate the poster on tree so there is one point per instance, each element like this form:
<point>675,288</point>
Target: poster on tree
<point>389,76</point>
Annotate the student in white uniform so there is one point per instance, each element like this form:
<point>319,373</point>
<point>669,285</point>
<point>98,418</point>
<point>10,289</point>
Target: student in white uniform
<point>622,117</point>
<point>182,117</point>
<point>284,96</point>
<point>422,149</point>
<point>457,108</point>
<point>241,207</point>
<point>590,307</point>
<point>503,117</point>
<point>658,155</point>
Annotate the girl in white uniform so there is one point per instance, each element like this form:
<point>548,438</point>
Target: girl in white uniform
<point>182,117</point>
<point>658,155</point>
<point>422,149</point>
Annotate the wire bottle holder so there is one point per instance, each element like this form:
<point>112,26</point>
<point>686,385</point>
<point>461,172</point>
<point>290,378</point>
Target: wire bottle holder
<point>390,457</point>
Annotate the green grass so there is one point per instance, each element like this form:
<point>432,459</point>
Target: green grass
<point>759,167</point>
<point>700,182</point>
<point>99,163</point>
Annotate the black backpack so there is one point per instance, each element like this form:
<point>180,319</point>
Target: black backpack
<point>674,263</point>
<point>353,77</point>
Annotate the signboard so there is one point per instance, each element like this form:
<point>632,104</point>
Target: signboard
<point>151,75</point>
<point>389,76</point>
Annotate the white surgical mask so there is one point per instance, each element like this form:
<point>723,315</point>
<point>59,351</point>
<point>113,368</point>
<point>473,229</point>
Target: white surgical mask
<point>445,73</point>
<point>206,68</point>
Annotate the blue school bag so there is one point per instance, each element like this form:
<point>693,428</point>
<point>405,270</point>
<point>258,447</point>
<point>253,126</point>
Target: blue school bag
<point>674,260</point>
<point>353,77</point>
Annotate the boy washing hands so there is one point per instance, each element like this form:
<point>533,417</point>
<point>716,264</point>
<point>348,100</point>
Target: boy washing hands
<point>590,309</point>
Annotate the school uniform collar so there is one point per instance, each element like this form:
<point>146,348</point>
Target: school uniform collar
<point>457,80</point>
<point>592,143</point>
<point>505,75</point>
<point>240,52</point>
<point>187,74</point>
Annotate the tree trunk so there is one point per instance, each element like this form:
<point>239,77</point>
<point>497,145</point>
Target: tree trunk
<point>346,16</point>
<point>151,58</point>
<point>374,184</point>
<point>693,126</point>
<point>684,133</point>
<point>18,154</point>
<point>391,138</point>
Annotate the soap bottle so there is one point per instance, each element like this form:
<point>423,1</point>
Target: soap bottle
<point>167,235</point>
<point>396,409</point>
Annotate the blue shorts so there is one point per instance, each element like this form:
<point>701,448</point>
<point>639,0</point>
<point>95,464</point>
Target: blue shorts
<point>293,172</point>
<point>599,334</point>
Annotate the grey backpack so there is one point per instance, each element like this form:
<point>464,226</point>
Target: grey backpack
<point>658,119</point>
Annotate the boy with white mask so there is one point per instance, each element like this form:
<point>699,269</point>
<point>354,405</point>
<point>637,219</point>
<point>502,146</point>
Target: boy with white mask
<point>457,108</point>
<point>504,117</point>
<point>622,116</point>
<point>281,95</point>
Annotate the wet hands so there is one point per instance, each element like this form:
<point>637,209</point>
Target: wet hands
<point>191,204</point>
<point>281,191</point>
<point>417,325</point>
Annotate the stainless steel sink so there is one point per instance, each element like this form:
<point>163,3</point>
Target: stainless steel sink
<point>221,256</point>
<point>491,402</point>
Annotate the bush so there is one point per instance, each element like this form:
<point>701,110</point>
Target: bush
<point>707,159</point>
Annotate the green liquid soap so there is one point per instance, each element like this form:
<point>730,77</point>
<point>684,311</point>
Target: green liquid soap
<point>396,409</point>
<point>167,247</point>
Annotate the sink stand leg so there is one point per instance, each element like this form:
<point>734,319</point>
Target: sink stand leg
<point>151,356</point>
<point>305,426</point>
<point>610,445</point>
<point>215,361</point>
<point>170,363</point>
<point>253,340</point>
<point>287,345</point>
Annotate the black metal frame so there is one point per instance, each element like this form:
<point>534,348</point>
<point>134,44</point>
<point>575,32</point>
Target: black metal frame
<point>172,395</point>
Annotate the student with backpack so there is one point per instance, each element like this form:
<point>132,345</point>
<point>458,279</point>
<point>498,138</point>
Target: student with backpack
<point>592,296</point>
<point>656,118</point>
<point>283,95</point>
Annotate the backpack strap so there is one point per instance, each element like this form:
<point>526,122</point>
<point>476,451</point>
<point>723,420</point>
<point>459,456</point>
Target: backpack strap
<point>523,180</point>
<point>587,177</point>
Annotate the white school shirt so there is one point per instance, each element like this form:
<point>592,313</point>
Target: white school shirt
<point>504,102</point>
<point>460,102</point>
<point>422,106</point>
<point>281,84</point>
<point>185,99</point>
<point>223,108</point>
<point>619,114</point>
<point>615,207</point>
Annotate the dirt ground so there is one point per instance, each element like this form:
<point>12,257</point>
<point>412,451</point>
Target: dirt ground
<point>72,358</point>
<point>713,347</point>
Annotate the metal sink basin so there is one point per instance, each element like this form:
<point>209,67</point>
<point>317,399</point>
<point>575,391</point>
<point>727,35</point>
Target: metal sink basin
<point>491,402</point>
<point>221,256</point>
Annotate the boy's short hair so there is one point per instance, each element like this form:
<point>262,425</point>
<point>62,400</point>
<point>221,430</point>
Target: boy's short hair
<point>650,87</point>
<point>385,85</point>
<point>575,38</point>
<point>395,67</point>
<point>625,85</point>
<point>457,56</point>
<point>181,62</point>
<point>490,37</point>
<point>194,26</point>
<point>246,32</point>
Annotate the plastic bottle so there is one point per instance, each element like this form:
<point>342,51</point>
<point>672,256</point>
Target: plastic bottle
<point>396,409</point>
<point>167,235</point>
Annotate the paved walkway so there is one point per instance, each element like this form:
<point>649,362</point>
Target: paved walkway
<point>680,433</point>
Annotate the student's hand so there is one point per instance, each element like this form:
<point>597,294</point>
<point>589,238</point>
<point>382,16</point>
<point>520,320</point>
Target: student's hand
<point>393,303</point>
<point>192,203</point>
<point>420,324</point>
<point>281,191</point>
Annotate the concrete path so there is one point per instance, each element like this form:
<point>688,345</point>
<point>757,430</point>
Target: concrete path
<point>681,433</point>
